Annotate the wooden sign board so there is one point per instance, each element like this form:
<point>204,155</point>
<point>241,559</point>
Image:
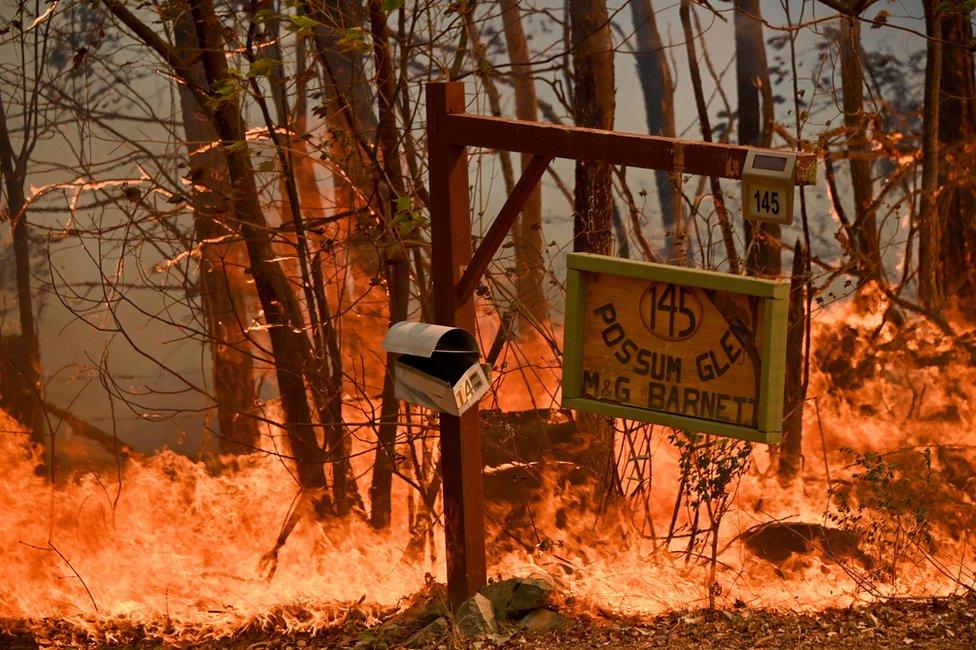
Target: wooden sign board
<point>685,348</point>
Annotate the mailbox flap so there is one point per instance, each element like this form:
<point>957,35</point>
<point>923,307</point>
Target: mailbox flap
<point>423,339</point>
<point>417,386</point>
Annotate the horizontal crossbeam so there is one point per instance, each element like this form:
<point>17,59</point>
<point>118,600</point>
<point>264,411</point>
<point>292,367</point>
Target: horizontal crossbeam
<point>614,147</point>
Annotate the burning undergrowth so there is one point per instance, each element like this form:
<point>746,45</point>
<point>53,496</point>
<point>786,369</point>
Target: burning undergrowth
<point>176,547</point>
<point>164,547</point>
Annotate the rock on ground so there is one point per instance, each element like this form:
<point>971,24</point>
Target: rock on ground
<point>430,635</point>
<point>476,617</point>
<point>516,596</point>
<point>539,620</point>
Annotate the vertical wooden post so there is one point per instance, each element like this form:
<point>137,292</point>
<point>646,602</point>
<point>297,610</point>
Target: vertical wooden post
<point>460,437</point>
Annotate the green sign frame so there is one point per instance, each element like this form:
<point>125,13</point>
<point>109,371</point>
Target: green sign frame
<point>775,303</point>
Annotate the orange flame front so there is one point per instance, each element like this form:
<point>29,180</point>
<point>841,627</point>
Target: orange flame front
<point>167,545</point>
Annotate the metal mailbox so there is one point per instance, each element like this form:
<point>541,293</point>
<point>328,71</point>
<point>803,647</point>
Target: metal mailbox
<point>436,366</point>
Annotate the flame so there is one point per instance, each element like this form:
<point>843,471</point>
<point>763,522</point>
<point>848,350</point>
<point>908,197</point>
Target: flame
<point>163,543</point>
<point>180,547</point>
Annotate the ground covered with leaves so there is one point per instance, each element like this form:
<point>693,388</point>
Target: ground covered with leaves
<point>930,623</point>
<point>933,623</point>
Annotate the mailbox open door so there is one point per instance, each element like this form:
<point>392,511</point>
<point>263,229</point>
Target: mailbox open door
<point>436,366</point>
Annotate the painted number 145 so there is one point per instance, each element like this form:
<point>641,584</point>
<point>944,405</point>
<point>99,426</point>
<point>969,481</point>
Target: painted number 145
<point>766,201</point>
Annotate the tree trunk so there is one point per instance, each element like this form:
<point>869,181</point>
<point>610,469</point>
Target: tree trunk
<point>866,245</point>
<point>29,411</point>
<point>929,226</point>
<point>593,92</point>
<point>381,488</point>
<point>957,131</point>
<point>222,282</point>
<point>755,125</point>
<point>348,104</point>
<point>594,102</point>
<point>294,123</point>
<point>706,130</point>
<point>790,451</point>
<point>485,72</point>
<point>530,282</point>
<point>396,264</point>
<point>654,74</point>
<point>282,311</point>
<point>347,96</point>
<point>301,200</point>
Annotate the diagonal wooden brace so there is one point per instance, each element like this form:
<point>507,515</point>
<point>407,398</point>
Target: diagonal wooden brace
<point>500,227</point>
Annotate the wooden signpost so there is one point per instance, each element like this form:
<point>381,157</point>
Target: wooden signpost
<point>457,271</point>
<point>685,348</point>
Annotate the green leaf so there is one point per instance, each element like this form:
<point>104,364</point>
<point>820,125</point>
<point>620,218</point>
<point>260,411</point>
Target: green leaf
<point>265,15</point>
<point>403,204</point>
<point>239,146</point>
<point>262,67</point>
<point>302,24</point>
<point>225,90</point>
<point>392,5</point>
<point>354,40</point>
<point>267,166</point>
<point>407,219</point>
